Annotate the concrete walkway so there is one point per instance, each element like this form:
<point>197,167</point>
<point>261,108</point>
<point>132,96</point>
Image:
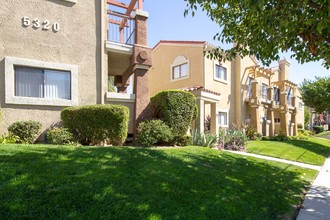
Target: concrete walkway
<point>318,168</point>
<point>316,205</point>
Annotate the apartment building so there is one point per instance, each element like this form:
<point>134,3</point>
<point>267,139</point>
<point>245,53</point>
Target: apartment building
<point>239,91</point>
<point>60,53</point>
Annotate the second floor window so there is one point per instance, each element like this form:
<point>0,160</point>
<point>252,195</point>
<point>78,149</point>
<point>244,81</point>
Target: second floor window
<point>180,71</point>
<point>250,86</point>
<point>220,72</point>
<point>276,94</point>
<point>263,92</point>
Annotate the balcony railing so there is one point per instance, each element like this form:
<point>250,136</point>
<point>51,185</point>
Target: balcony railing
<point>121,28</point>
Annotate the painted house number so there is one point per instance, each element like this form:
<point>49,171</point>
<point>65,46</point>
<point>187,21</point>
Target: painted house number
<point>37,23</point>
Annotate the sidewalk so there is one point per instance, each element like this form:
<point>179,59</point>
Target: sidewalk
<point>316,205</point>
<point>317,201</point>
<point>309,166</point>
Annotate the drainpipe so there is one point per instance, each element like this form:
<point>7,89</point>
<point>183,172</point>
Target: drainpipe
<point>102,52</point>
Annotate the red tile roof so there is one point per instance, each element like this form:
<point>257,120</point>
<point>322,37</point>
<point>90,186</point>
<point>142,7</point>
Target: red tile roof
<point>195,88</point>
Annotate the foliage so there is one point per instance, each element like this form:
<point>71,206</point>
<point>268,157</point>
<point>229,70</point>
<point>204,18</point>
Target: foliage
<point>9,139</point>
<point>111,82</point>
<point>316,93</point>
<point>59,136</point>
<point>140,183</point>
<point>251,132</point>
<point>27,131</point>
<point>152,132</point>
<point>182,140</point>
<point>307,116</point>
<point>176,108</point>
<point>204,139</point>
<point>207,124</point>
<point>93,124</point>
<point>304,134</point>
<point>303,28</point>
<point>318,129</point>
<point>234,140</point>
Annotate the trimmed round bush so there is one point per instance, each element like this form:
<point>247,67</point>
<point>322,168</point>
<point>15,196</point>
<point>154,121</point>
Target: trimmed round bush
<point>152,132</point>
<point>27,131</point>
<point>93,124</point>
<point>176,108</point>
<point>318,129</point>
<point>59,136</point>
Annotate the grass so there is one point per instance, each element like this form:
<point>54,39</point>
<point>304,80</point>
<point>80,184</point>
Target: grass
<point>312,151</point>
<point>39,181</point>
<point>325,134</point>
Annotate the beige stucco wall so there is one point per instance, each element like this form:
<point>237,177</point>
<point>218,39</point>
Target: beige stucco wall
<point>76,43</point>
<point>300,111</point>
<point>163,57</point>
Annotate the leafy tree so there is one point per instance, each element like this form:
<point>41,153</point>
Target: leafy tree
<point>316,93</point>
<point>307,116</point>
<point>266,27</point>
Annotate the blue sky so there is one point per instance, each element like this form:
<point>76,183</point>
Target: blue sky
<point>166,22</point>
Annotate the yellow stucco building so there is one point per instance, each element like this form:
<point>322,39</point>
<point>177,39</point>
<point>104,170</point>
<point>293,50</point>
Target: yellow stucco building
<point>239,91</point>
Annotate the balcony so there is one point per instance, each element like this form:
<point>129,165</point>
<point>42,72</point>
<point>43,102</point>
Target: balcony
<point>121,28</point>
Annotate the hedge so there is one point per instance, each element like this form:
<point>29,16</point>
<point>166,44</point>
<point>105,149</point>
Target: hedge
<point>93,124</point>
<point>27,131</point>
<point>176,108</point>
<point>318,129</point>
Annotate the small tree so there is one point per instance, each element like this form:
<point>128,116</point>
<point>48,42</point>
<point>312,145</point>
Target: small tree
<point>307,116</point>
<point>316,93</point>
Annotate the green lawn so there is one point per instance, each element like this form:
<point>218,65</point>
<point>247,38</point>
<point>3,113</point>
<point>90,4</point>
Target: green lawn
<point>49,182</point>
<point>312,151</point>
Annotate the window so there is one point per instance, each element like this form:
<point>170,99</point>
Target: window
<point>34,82</point>
<point>277,120</point>
<point>180,71</point>
<point>42,83</point>
<point>223,119</point>
<point>289,96</point>
<point>250,86</point>
<point>276,94</point>
<point>220,72</point>
<point>263,91</point>
<point>300,105</point>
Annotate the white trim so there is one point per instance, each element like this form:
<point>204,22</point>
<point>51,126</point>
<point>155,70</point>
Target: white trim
<point>120,97</point>
<point>10,97</point>
<point>71,1</point>
<point>119,48</point>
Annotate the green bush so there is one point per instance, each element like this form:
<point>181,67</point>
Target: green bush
<point>234,140</point>
<point>176,108</point>
<point>204,139</point>
<point>93,124</point>
<point>27,131</point>
<point>9,139</point>
<point>318,129</point>
<point>184,140</point>
<point>59,136</point>
<point>152,132</point>
<point>251,132</point>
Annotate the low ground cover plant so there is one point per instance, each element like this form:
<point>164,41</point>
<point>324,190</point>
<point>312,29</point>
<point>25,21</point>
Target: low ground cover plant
<point>27,131</point>
<point>233,140</point>
<point>94,124</point>
<point>9,139</point>
<point>204,139</point>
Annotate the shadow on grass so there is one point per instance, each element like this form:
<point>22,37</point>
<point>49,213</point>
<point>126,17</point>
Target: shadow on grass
<point>318,148</point>
<point>129,183</point>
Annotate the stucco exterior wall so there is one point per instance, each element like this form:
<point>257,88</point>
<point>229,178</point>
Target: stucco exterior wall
<point>77,42</point>
<point>160,77</point>
<point>300,109</point>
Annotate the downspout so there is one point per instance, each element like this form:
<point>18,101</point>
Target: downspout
<point>102,52</point>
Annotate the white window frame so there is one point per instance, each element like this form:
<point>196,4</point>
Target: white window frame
<point>218,78</point>
<point>300,104</point>
<point>179,61</point>
<point>10,98</point>
<point>219,121</point>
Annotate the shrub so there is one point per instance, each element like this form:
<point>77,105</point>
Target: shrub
<point>204,139</point>
<point>176,108</point>
<point>9,139</point>
<point>93,124</point>
<point>184,140</point>
<point>265,138</point>
<point>234,140</point>
<point>27,131</point>
<point>152,132</point>
<point>251,132</point>
<point>318,129</point>
<point>59,136</point>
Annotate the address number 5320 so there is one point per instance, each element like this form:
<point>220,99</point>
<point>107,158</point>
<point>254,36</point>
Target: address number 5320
<point>37,23</point>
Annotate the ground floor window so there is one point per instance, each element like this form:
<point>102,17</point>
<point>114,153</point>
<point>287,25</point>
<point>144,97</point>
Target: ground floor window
<point>223,119</point>
<point>42,83</point>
